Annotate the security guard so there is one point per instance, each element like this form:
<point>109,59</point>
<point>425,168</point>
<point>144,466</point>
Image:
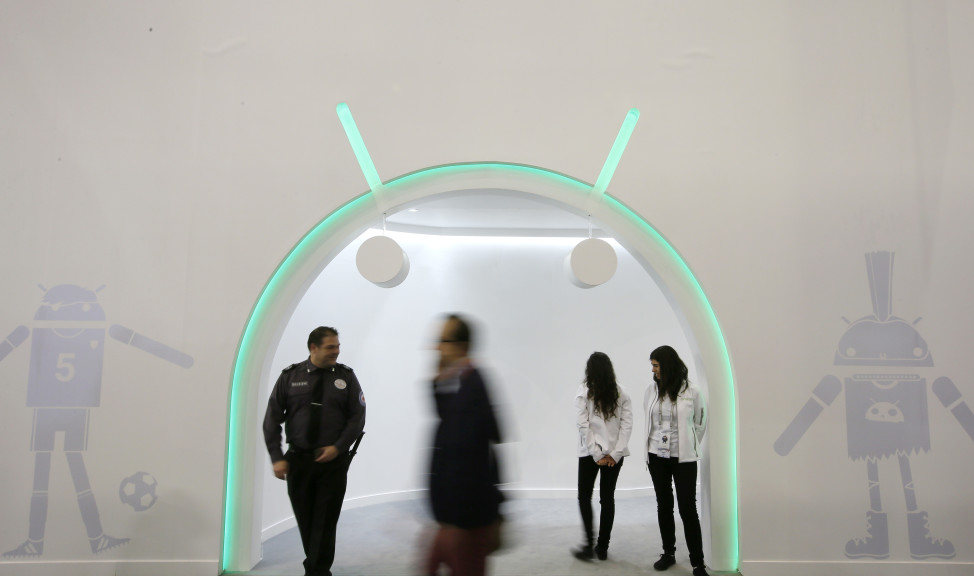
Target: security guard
<point>322,407</point>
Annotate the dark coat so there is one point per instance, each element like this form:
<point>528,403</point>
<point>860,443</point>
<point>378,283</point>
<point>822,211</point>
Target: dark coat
<point>463,472</point>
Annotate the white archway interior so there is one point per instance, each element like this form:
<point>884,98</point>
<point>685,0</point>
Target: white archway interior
<point>306,261</point>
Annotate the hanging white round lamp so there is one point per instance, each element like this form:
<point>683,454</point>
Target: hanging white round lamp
<point>592,262</point>
<point>381,261</point>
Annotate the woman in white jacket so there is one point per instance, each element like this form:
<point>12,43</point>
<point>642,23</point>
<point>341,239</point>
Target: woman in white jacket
<point>676,419</point>
<point>604,417</point>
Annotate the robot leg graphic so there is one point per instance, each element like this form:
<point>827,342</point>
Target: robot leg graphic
<point>89,508</point>
<point>876,542</point>
<point>922,546</point>
<point>34,545</point>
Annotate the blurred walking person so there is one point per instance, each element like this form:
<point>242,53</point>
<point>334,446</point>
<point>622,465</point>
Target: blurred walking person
<point>463,480</point>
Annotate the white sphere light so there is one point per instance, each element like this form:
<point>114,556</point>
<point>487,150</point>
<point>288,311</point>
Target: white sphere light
<point>591,263</point>
<point>381,261</point>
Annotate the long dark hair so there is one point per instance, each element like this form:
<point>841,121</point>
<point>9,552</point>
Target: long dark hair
<point>673,372</point>
<point>600,379</point>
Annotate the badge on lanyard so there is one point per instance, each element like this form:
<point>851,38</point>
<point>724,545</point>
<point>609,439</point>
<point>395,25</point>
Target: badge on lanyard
<point>664,446</point>
<point>665,423</point>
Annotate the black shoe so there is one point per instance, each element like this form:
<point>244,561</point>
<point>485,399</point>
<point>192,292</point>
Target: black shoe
<point>700,571</point>
<point>583,552</point>
<point>664,562</point>
<point>602,552</point>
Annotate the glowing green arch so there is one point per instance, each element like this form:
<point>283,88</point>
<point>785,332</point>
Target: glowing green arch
<point>319,246</point>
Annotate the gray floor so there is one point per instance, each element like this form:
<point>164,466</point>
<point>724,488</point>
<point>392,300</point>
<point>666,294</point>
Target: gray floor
<point>387,539</point>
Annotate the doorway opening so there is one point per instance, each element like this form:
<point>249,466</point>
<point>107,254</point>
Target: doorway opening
<point>298,271</point>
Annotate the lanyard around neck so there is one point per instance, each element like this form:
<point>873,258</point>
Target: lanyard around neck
<point>672,403</point>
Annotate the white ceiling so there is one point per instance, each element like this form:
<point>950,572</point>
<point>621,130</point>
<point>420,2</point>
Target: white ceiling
<point>490,213</point>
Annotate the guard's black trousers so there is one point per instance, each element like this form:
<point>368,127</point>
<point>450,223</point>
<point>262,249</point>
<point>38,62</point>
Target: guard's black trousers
<point>316,491</point>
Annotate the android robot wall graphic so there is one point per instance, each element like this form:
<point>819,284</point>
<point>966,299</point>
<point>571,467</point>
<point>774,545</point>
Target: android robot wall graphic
<point>886,412</point>
<point>64,383</point>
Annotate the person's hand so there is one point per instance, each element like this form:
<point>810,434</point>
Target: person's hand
<point>280,469</point>
<point>607,461</point>
<point>326,454</point>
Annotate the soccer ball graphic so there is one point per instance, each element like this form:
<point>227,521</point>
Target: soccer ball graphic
<point>138,491</point>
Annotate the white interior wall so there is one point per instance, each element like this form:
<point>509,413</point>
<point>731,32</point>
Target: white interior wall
<point>538,330</point>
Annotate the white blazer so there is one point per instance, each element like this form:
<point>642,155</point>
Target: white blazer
<point>691,414</point>
<point>598,437</point>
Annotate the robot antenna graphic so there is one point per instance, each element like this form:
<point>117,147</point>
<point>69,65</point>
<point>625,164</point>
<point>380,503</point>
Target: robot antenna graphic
<point>63,385</point>
<point>886,412</point>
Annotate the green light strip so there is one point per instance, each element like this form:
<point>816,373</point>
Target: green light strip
<point>615,154</point>
<point>435,172</point>
<point>238,402</point>
<point>358,147</point>
<point>702,299</point>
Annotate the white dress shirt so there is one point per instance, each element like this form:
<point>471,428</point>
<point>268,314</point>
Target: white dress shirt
<point>598,437</point>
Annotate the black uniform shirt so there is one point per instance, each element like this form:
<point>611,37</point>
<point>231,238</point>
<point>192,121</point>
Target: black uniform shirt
<point>341,416</point>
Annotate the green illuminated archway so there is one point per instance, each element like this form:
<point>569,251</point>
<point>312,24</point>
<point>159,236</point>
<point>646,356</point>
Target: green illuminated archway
<point>319,246</point>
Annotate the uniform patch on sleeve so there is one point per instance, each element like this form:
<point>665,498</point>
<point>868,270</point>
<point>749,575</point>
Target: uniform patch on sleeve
<point>361,398</point>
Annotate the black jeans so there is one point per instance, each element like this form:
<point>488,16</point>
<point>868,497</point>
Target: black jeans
<point>665,473</point>
<point>587,471</point>
<point>317,491</point>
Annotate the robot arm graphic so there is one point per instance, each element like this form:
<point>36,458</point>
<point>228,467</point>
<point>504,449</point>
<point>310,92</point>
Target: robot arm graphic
<point>950,397</point>
<point>823,395</point>
<point>14,339</point>
<point>146,344</point>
